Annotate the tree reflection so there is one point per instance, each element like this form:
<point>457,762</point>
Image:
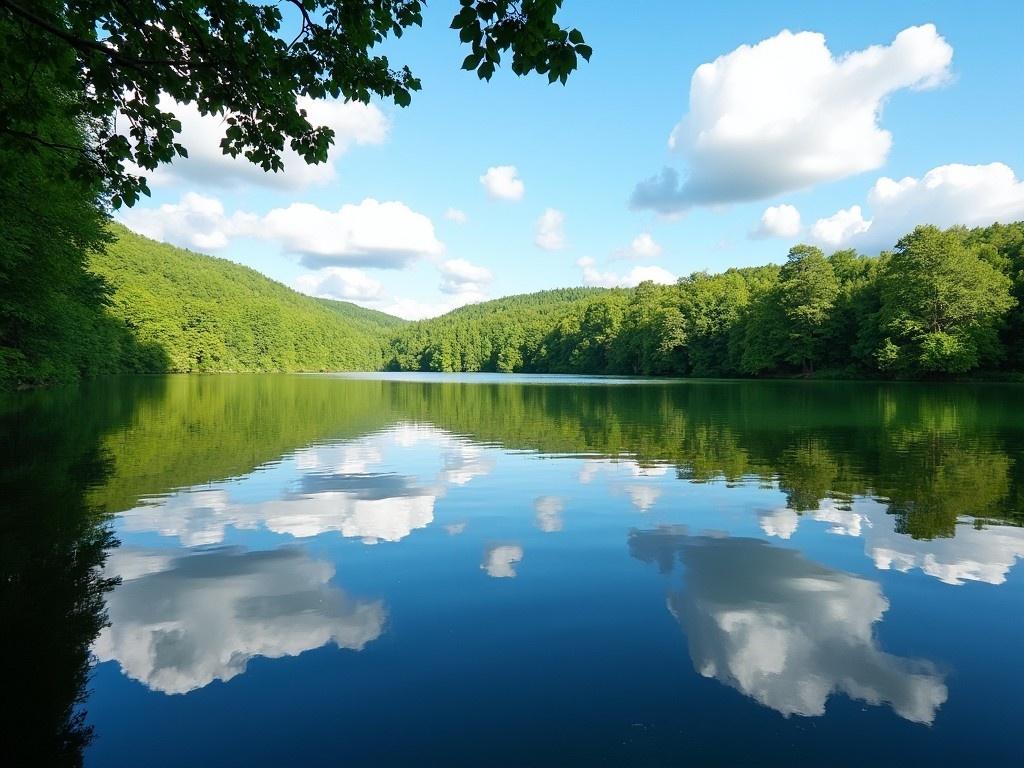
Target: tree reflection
<point>53,544</point>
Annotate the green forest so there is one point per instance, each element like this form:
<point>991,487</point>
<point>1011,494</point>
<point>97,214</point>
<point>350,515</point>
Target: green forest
<point>940,304</point>
<point>80,296</point>
<point>154,308</point>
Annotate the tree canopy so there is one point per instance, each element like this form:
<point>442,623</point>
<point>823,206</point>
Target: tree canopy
<point>943,303</point>
<point>244,60</point>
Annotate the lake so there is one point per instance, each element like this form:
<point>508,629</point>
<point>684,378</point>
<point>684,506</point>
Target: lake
<point>511,570</point>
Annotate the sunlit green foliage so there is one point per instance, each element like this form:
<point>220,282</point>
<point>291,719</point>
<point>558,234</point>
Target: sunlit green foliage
<point>191,312</point>
<point>943,303</point>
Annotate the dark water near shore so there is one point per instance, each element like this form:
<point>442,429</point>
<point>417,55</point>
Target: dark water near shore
<point>483,570</point>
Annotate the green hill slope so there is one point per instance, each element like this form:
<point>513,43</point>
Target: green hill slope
<point>504,334</point>
<point>190,312</point>
<point>363,317</point>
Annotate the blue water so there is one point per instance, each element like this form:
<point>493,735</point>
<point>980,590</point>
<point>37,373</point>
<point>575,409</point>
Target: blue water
<point>480,580</point>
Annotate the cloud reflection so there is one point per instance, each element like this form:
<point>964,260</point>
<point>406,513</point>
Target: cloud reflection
<point>180,621</point>
<point>984,554</point>
<point>342,487</point>
<point>548,513</point>
<point>783,630</point>
<point>500,560</point>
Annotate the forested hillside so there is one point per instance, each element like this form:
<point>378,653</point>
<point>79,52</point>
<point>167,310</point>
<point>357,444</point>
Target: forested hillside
<point>190,312</point>
<point>504,335</point>
<point>941,303</point>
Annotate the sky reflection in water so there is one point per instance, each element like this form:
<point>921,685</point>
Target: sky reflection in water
<point>486,564</point>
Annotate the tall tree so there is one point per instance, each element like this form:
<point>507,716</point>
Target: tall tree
<point>942,305</point>
<point>807,292</point>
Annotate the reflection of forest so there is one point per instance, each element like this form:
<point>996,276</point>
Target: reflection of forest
<point>931,453</point>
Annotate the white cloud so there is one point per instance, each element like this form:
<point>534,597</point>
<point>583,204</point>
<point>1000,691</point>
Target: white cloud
<point>955,194</point>
<point>593,276</point>
<point>502,182</point>
<point>180,621</point>
<point>778,221</point>
<point>385,235</point>
<point>786,631</point>
<point>643,246</point>
<point>786,114</point>
<point>195,221</point>
<point>461,277</point>
<point>456,215</point>
<point>352,122</point>
<point>548,513</point>
<point>500,560</point>
<point>343,283</point>
<point>840,226</point>
<point>551,230</point>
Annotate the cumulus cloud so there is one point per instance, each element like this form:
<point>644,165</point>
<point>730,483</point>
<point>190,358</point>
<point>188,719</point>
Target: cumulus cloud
<point>548,513</point>
<point>456,215</point>
<point>384,235</point>
<point>352,122</point>
<point>956,194</point>
<point>500,560</point>
<point>195,221</point>
<point>594,276</point>
<point>786,631</point>
<point>840,227</point>
<point>785,114</point>
<point>643,246</point>
<point>343,283</point>
<point>180,621</point>
<point>778,221</point>
<point>461,277</point>
<point>502,182</point>
<point>551,230</point>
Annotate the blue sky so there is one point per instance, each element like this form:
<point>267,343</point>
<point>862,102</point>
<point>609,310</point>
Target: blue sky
<point>788,122</point>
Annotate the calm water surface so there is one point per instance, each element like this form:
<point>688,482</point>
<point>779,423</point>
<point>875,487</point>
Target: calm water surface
<point>475,570</point>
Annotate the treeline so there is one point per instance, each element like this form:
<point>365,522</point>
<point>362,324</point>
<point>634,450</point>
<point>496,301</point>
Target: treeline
<point>941,303</point>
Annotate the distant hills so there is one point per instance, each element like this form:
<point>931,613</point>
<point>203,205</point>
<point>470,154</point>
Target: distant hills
<point>847,315</point>
<point>188,312</point>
